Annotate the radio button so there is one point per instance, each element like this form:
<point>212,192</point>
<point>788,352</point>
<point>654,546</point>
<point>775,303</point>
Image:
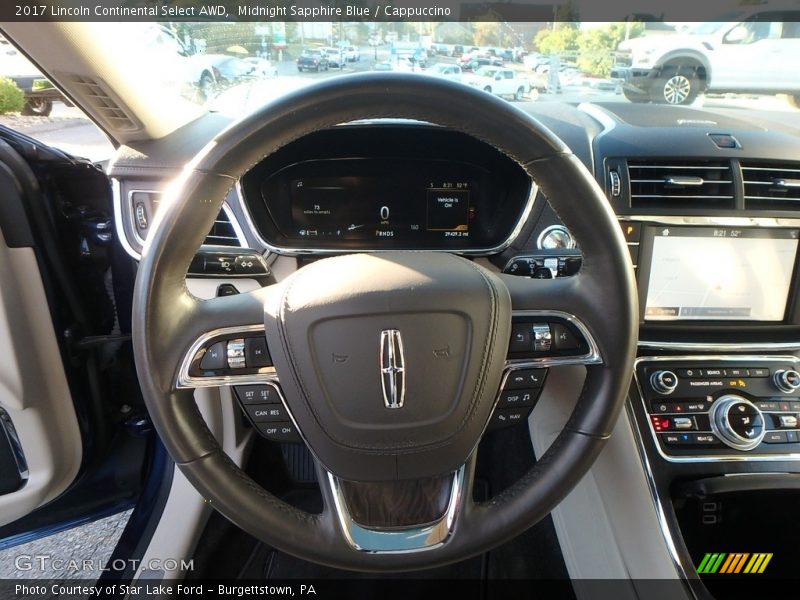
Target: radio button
<point>689,372</point>
<point>759,372</point>
<point>712,373</point>
<point>664,382</point>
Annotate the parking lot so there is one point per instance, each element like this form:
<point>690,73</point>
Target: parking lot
<point>68,129</point>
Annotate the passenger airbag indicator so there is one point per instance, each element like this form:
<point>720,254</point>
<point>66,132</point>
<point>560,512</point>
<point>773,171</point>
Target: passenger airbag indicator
<point>448,210</point>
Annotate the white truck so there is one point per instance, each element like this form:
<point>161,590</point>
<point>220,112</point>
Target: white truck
<point>757,51</point>
<point>500,82</point>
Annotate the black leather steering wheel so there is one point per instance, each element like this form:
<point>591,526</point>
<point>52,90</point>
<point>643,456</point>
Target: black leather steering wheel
<point>421,457</point>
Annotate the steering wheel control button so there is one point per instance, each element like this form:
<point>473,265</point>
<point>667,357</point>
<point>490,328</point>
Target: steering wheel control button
<point>508,417</point>
<point>563,338</point>
<point>542,337</point>
<point>737,422</point>
<point>520,338</point>
<point>257,394</point>
<point>279,432</point>
<point>256,352</point>
<point>236,358</point>
<point>260,413</point>
<point>512,398</point>
<point>664,382</point>
<point>214,358</point>
<point>525,378</point>
<point>787,380</point>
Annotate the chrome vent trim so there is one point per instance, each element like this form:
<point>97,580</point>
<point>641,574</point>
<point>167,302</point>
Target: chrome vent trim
<point>771,186</point>
<point>679,183</point>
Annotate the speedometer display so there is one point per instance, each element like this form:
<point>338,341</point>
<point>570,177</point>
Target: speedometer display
<point>377,208</point>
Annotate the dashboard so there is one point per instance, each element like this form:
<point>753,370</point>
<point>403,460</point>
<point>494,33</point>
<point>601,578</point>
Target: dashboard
<point>707,202</point>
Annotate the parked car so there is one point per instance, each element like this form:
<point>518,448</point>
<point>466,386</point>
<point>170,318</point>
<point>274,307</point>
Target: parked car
<point>351,53</point>
<point>446,70</point>
<point>39,92</point>
<point>335,57</point>
<point>475,63</point>
<point>262,68</point>
<point>756,53</point>
<point>313,59</point>
<point>500,82</point>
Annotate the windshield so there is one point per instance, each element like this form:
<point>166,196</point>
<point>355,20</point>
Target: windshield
<point>236,67</point>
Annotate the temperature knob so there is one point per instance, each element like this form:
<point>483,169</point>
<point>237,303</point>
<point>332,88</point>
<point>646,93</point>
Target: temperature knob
<point>664,382</point>
<point>737,422</point>
<point>787,380</point>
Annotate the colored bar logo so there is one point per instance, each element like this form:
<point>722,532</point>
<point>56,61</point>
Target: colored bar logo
<point>737,562</point>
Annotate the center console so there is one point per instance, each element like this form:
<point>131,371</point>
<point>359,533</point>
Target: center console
<point>717,409</point>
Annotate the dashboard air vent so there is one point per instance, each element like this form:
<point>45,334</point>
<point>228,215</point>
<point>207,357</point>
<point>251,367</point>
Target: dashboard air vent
<point>774,186</point>
<point>222,232</point>
<point>105,103</point>
<point>684,184</point>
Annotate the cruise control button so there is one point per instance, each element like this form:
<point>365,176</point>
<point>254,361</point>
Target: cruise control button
<point>279,432</point>
<point>215,357</point>
<point>506,417</point>
<point>260,413</point>
<point>776,437</point>
<point>525,378</point>
<point>256,352</point>
<point>512,398</point>
<point>257,394</point>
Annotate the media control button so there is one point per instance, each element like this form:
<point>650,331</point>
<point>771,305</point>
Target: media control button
<point>256,352</point>
<point>712,373</point>
<point>737,372</point>
<point>759,372</point>
<point>664,382</point>
<point>236,359</point>
<point>787,380</point>
<point>542,337</point>
<point>215,357</point>
<point>512,398</point>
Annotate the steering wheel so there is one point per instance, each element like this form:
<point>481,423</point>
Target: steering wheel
<point>394,426</point>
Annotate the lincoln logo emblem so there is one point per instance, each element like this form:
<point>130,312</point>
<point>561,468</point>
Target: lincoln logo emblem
<point>393,368</point>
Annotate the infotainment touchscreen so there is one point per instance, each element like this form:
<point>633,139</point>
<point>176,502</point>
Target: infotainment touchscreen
<point>711,274</point>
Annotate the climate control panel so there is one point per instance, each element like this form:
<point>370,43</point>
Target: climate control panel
<point>721,408</point>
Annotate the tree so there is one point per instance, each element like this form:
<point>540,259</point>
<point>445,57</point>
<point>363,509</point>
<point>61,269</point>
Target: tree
<point>562,39</point>
<point>596,46</point>
<point>487,33</point>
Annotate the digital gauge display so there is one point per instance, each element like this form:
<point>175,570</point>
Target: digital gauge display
<point>354,204</point>
<point>374,208</point>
